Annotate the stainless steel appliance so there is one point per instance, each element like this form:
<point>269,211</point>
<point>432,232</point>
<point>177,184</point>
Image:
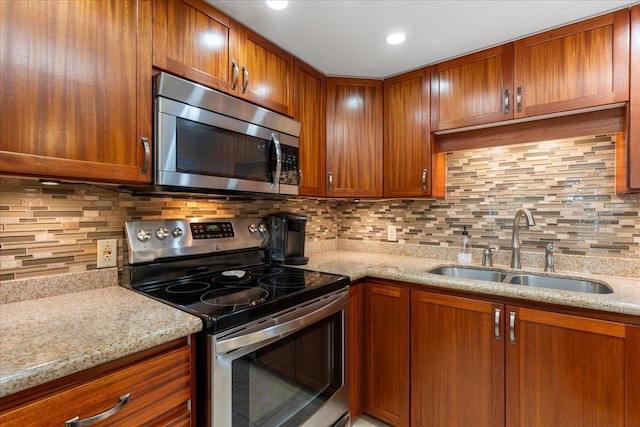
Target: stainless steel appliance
<point>210,142</point>
<point>287,234</point>
<point>273,348</point>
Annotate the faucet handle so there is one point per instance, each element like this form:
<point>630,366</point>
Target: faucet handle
<point>487,260</point>
<point>551,247</point>
<point>548,257</point>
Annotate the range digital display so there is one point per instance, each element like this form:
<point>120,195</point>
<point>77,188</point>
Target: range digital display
<point>212,230</point>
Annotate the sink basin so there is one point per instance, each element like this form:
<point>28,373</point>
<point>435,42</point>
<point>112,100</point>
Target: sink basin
<point>574,285</point>
<point>524,279</point>
<point>470,273</point>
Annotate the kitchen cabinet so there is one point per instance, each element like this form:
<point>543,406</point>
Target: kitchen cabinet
<point>477,362</point>
<point>193,40</point>
<point>356,343</point>
<point>76,90</point>
<point>196,41</point>
<point>575,67</point>
<point>572,67</point>
<point>354,137</point>
<point>473,90</point>
<point>386,325</point>
<point>407,136</point>
<point>266,73</point>
<point>628,145</point>
<point>310,91</point>
<point>457,361</point>
<point>158,385</point>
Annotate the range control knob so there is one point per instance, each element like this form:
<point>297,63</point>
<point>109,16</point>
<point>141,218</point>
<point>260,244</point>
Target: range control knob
<point>144,235</point>
<point>177,232</point>
<point>162,233</point>
<point>253,228</point>
<point>262,228</point>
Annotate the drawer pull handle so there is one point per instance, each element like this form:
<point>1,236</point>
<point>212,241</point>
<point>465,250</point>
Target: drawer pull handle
<point>77,422</point>
<point>512,327</point>
<point>496,324</point>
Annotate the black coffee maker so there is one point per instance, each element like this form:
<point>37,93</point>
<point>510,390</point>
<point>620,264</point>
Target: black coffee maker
<point>286,238</point>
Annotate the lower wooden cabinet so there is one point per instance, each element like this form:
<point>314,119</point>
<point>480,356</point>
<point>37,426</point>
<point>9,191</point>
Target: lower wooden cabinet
<point>386,325</point>
<point>158,385</point>
<point>478,362</point>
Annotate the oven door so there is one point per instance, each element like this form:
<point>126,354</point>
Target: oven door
<point>284,370</point>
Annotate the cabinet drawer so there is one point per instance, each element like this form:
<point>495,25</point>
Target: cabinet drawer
<point>159,390</point>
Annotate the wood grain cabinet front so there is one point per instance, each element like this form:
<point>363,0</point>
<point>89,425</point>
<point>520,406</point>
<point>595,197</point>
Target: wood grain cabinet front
<point>75,85</point>
<point>154,391</point>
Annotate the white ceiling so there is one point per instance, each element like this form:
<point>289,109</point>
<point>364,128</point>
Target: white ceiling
<point>346,38</point>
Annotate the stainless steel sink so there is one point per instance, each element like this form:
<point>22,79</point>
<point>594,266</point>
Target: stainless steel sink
<point>469,273</point>
<point>524,279</point>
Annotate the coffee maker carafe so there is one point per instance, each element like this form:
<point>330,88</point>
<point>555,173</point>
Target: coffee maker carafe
<point>286,238</point>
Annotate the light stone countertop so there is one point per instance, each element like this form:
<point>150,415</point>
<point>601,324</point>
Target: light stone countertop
<point>624,300</point>
<point>48,338</point>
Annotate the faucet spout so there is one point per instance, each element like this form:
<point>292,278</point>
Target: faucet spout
<point>515,240</point>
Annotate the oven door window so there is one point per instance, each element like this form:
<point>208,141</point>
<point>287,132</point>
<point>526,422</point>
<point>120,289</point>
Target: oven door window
<point>208,150</point>
<point>284,383</point>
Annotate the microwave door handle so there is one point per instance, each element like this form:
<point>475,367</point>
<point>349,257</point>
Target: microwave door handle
<point>275,179</point>
<point>267,334</point>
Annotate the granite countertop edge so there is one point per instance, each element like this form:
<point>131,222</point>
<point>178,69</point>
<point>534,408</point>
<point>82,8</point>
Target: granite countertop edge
<point>49,338</point>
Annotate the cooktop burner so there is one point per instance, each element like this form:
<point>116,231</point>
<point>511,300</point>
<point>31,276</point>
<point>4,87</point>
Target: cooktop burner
<point>236,297</point>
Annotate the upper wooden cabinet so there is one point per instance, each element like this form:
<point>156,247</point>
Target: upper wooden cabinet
<point>196,41</point>
<point>354,137</point>
<point>75,90</point>
<point>310,103</point>
<point>576,66</point>
<point>193,40</point>
<point>473,90</point>
<point>407,136</point>
<point>628,145</point>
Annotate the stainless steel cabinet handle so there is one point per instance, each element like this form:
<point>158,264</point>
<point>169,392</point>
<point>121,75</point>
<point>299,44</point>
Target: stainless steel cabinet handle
<point>519,99</point>
<point>245,79</point>
<point>424,179</point>
<point>147,155</point>
<point>77,422</point>
<point>512,327</point>
<point>507,108</point>
<point>330,182</point>
<point>496,324</point>
<point>236,75</point>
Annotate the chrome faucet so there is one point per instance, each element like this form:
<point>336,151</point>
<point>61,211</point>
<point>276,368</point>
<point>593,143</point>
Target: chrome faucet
<point>515,240</point>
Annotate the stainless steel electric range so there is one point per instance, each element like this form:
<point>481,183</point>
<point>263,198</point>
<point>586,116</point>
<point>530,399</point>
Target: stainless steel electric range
<point>273,348</point>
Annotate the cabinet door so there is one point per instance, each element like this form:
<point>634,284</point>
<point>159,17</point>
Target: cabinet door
<point>354,137</point>
<point>310,110</point>
<point>457,361</point>
<point>193,40</point>
<point>356,342</point>
<point>387,353</point>
<point>576,66</point>
<point>473,90</point>
<point>568,370</point>
<point>407,145</point>
<point>266,73</point>
<point>75,79</point>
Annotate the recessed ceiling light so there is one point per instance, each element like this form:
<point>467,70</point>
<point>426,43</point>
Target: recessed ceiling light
<point>277,4</point>
<point>395,38</point>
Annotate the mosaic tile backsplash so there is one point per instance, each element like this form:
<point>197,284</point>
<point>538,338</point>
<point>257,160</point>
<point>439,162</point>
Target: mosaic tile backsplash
<point>568,185</point>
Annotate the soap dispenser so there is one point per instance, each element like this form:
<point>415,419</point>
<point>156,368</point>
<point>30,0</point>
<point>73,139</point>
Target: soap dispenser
<point>464,257</point>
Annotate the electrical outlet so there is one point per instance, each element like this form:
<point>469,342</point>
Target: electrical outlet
<point>107,253</point>
<point>391,233</point>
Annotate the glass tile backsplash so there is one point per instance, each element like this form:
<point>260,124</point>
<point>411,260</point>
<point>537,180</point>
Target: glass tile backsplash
<point>568,185</point>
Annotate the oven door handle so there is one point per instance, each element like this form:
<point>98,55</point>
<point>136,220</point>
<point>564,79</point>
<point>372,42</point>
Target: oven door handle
<point>306,318</point>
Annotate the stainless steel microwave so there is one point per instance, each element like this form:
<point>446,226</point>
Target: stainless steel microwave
<point>209,142</point>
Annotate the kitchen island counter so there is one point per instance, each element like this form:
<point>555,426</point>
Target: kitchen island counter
<point>358,265</point>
